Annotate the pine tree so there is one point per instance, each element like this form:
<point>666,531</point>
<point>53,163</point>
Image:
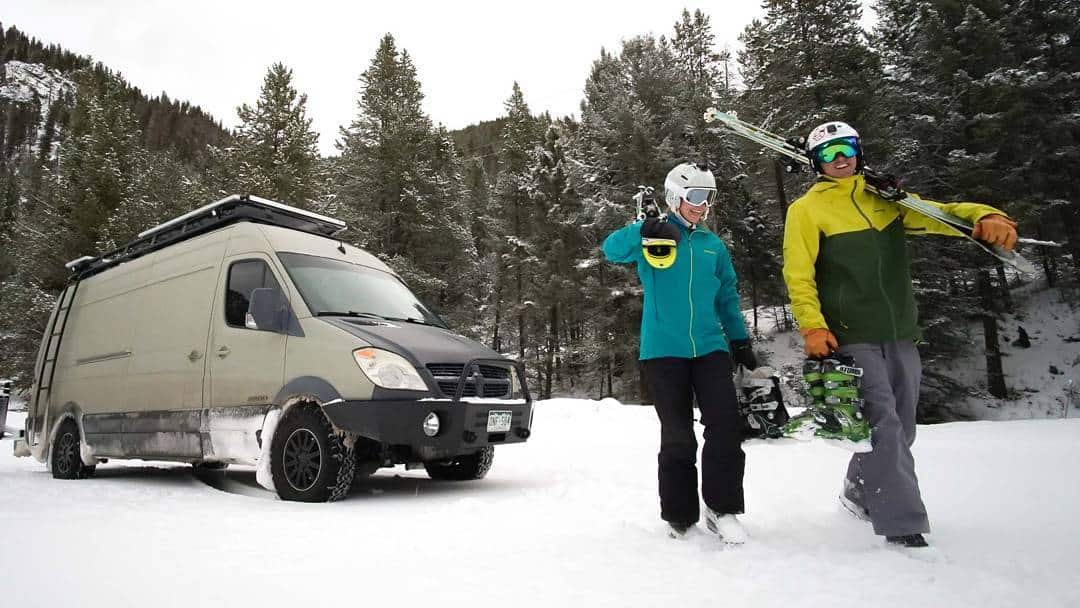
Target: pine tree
<point>162,188</point>
<point>515,220</point>
<point>808,62</point>
<point>400,188</point>
<point>559,249</point>
<point>275,153</point>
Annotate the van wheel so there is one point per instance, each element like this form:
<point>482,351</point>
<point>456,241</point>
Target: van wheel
<point>309,461</point>
<point>463,468</point>
<point>65,456</point>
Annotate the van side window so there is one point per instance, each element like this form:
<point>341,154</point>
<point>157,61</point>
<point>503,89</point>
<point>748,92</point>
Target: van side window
<point>243,278</point>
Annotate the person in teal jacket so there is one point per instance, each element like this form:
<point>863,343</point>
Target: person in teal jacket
<point>690,322</point>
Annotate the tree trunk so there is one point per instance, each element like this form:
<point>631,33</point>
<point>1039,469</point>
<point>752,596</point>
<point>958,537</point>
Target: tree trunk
<point>753,298</point>
<point>496,341</point>
<point>1003,282</point>
<point>521,317</point>
<point>1072,237</point>
<point>608,367</point>
<point>1049,262</point>
<point>995,376</point>
<point>643,384</point>
<point>552,342</point>
<point>781,196</point>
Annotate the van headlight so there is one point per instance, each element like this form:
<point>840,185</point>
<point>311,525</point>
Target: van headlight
<point>388,370</point>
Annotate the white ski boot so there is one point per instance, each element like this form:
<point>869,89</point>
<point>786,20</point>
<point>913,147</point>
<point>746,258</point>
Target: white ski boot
<point>726,527</point>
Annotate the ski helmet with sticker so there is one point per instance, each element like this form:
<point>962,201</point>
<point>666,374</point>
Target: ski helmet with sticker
<point>687,181</point>
<point>827,132</point>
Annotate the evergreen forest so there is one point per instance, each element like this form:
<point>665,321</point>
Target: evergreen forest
<point>498,225</point>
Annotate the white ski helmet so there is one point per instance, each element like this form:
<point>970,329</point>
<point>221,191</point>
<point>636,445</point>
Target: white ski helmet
<point>691,182</point>
<point>824,133</point>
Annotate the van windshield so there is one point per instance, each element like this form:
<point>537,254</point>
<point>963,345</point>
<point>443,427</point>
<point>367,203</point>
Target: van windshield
<point>335,287</point>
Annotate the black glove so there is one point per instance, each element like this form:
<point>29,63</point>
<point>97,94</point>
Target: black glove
<point>743,354</point>
<point>659,228</point>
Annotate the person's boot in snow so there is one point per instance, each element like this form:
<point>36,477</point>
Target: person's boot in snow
<point>855,509</point>
<point>726,527</point>
<point>678,529</point>
<point>908,541</point>
<point>853,505</point>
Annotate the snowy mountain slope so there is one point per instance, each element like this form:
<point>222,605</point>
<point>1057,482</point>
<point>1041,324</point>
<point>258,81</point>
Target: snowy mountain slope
<point>24,82</point>
<point>568,519</point>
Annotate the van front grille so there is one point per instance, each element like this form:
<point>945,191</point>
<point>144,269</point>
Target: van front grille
<point>496,380</point>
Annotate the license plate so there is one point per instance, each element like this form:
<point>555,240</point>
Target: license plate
<point>499,421</point>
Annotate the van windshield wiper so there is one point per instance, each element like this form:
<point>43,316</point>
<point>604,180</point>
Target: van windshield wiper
<point>413,320</point>
<point>350,313</point>
<point>371,315</point>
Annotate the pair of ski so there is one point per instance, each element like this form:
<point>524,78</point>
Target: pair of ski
<point>878,184</point>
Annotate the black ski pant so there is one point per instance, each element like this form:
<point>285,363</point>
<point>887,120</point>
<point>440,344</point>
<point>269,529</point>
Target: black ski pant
<point>674,382</point>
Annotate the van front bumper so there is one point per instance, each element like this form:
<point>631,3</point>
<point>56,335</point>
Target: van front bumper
<point>463,425</point>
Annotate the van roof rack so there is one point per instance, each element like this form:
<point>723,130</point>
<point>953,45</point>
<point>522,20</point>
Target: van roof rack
<point>229,210</point>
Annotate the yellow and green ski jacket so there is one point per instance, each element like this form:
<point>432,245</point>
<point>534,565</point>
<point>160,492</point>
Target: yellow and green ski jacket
<point>846,262</point>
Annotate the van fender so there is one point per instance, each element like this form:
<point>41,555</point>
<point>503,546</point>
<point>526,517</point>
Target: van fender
<point>70,410</point>
<point>305,389</point>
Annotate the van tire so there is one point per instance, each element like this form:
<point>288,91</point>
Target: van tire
<point>462,468</point>
<point>65,454</point>
<point>320,466</point>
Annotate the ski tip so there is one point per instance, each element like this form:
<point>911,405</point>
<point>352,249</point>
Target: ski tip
<point>712,115</point>
<point>1017,261</point>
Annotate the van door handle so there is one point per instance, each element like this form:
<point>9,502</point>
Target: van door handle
<point>223,351</point>
<point>194,356</point>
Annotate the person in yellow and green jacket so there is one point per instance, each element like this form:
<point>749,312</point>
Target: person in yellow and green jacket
<point>847,273</point>
<point>690,322</point>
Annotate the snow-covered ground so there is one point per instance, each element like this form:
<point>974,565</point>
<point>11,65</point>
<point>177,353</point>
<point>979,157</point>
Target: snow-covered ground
<point>1043,378</point>
<point>568,519</point>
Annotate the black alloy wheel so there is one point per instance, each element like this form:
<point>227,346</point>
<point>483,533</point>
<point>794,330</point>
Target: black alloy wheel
<point>66,455</point>
<point>302,459</point>
<point>309,461</point>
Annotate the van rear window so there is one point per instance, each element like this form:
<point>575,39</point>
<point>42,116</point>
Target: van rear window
<point>244,277</point>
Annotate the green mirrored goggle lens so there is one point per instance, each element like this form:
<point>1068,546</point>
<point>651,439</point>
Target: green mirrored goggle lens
<point>828,151</point>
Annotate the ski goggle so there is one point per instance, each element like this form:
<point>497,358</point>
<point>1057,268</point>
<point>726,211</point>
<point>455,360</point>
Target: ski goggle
<point>827,152</point>
<point>699,196</point>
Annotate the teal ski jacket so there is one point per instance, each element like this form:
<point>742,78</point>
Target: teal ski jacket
<point>692,308</point>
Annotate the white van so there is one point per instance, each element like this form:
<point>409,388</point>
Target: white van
<point>243,332</point>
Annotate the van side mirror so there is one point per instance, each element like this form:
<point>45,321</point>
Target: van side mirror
<point>267,310</point>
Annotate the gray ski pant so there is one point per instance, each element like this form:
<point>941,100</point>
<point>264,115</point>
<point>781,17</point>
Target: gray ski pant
<point>883,481</point>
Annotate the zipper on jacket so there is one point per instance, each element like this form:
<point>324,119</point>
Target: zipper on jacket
<point>690,292</point>
<point>877,249</point>
<point>655,306</point>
